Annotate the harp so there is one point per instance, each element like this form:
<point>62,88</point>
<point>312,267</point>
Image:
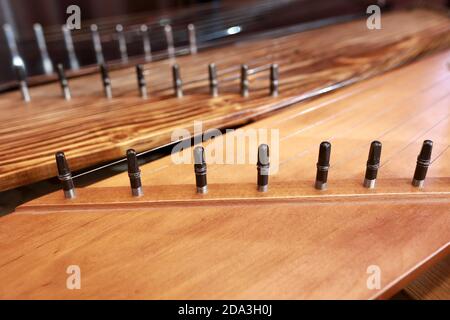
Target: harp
<point>235,242</point>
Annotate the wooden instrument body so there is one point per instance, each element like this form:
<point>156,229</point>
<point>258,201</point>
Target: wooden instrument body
<point>292,242</point>
<point>92,129</point>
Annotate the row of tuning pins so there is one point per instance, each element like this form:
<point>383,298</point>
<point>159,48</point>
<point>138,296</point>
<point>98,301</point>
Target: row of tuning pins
<point>19,65</point>
<point>263,169</point>
<point>213,81</point>
<point>142,84</point>
<point>323,166</point>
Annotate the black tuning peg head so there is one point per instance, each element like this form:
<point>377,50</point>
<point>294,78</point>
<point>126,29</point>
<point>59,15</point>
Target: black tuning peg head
<point>134,173</point>
<point>200,170</point>
<point>263,166</point>
<point>423,162</point>
<point>65,175</point>
<point>373,164</point>
<point>323,165</point>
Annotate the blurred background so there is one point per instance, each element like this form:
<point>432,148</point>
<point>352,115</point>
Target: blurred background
<point>217,22</point>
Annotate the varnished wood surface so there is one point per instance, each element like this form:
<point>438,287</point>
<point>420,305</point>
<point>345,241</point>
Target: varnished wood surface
<point>258,249</point>
<point>107,198</point>
<point>401,109</point>
<point>91,129</point>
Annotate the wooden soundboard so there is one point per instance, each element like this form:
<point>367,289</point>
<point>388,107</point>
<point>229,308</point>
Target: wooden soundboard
<point>292,242</point>
<point>92,129</point>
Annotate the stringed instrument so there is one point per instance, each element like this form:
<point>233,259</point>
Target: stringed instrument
<point>291,241</point>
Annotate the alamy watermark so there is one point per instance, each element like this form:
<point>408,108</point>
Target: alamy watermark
<point>74,20</point>
<point>374,20</point>
<point>373,281</point>
<point>73,281</point>
<point>235,147</point>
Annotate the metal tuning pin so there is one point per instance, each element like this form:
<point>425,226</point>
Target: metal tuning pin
<point>169,40</point>
<point>73,60</point>
<point>141,81</point>
<point>323,164</point>
<point>63,82</point>
<point>213,82</point>
<point>244,80</point>
<point>177,83</point>
<point>106,80</point>
<point>97,44</point>
<point>423,162</point>
<point>65,176</point>
<point>200,170</point>
<point>146,43</point>
<point>263,167</point>
<point>373,164</point>
<point>40,38</point>
<point>22,78</point>
<point>274,82</point>
<point>134,173</point>
<point>122,43</point>
<point>192,39</point>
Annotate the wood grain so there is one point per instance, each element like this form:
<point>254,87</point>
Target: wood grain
<point>287,251</point>
<point>255,249</point>
<point>114,198</point>
<point>401,109</point>
<point>91,129</point>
